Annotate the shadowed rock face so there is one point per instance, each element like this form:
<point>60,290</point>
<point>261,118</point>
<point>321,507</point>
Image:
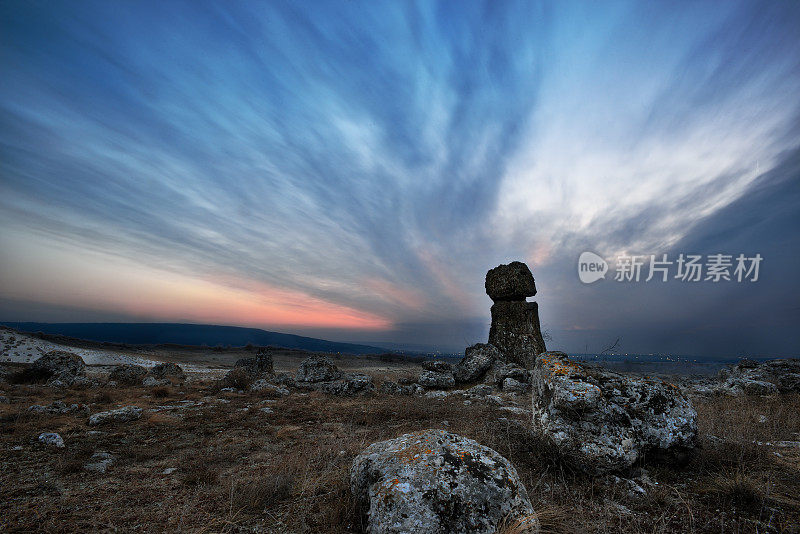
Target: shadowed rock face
<point>515,329</point>
<point>434,482</point>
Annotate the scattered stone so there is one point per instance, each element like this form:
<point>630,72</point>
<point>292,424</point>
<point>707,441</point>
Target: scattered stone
<point>129,375</point>
<point>151,381</point>
<point>58,407</point>
<point>100,463</point>
<point>437,395</point>
<point>393,388</point>
<point>481,390</point>
<point>259,366</point>
<point>350,384</point>
<point>317,369</point>
<point>434,481</point>
<point>167,370</point>
<point>169,470</point>
<point>59,365</point>
<point>439,366</point>
<point>478,359</point>
<point>515,329</point>
<point>435,379</point>
<point>121,415</point>
<point>749,377</point>
<point>264,386</point>
<point>266,409</point>
<point>604,421</point>
<point>4,400</point>
<point>284,379</point>
<point>51,439</point>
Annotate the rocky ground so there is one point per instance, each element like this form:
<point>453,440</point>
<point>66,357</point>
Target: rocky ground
<point>196,454</point>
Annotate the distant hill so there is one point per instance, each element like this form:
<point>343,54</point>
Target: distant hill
<point>189,334</point>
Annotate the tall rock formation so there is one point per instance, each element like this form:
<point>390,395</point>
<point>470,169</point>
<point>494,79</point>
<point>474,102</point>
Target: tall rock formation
<point>515,327</point>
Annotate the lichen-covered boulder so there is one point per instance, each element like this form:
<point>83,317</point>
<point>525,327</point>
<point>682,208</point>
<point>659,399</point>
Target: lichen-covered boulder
<point>59,365</point>
<point>317,369</point>
<point>510,282</point>
<point>435,379</point>
<point>603,421</point>
<point>476,361</point>
<point>440,366</point>
<point>121,415</point>
<point>436,482</point>
<point>130,375</point>
<point>167,370</point>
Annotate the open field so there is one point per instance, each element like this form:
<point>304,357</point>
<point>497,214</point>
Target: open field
<point>202,460</point>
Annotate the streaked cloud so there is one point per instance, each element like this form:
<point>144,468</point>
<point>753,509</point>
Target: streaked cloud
<point>361,166</point>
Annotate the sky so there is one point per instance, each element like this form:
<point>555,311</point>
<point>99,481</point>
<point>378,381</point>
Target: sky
<point>351,170</point>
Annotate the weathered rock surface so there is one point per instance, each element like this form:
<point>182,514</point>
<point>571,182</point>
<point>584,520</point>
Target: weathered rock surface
<point>510,282</point>
<point>121,415</point>
<point>515,329</point>
<point>151,381</point>
<point>51,439</point>
<point>749,377</point>
<point>317,369</point>
<point>130,375</point>
<point>604,421</point>
<point>478,359</point>
<point>99,462</point>
<point>168,370</point>
<point>436,482</point>
<point>259,366</point>
<point>435,379</point>
<point>264,386</point>
<point>58,407</point>
<point>393,388</point>
<point>516,332</point>
<point>59,365</point>
<point>350,384</point>
<point>439,366</point>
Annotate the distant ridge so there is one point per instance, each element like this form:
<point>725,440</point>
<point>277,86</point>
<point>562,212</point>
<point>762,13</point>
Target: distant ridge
<point>189,334</point>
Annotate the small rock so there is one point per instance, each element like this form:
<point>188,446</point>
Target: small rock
<point>101,462</point>
<point>264,386</point>
<point>393,388</point>
<point>440,366</point>
<point>169,470</point>
<point>435,379</point>
<point>130,375</point>
<point>151,381</point>
<point>121,415</point>
<point>168,369</point>
<point>266,409</point>
<point>51,439</point>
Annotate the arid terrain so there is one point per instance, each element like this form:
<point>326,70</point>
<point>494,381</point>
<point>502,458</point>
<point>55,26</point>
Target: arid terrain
<point>208,458</point>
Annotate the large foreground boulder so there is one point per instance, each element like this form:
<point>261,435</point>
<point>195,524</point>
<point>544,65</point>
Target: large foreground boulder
<point>436,482</point>
<point>59,365</point>
<point>603,421</point>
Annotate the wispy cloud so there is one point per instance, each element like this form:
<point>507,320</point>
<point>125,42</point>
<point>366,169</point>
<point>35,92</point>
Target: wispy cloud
<point>375,159</point>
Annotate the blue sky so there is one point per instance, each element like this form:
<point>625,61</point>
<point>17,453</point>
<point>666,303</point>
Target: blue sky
<point>352,169</point>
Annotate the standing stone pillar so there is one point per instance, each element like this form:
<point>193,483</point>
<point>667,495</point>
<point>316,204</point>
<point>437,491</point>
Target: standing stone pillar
<point>515,327</point>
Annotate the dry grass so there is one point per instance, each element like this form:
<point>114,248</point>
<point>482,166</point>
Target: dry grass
<point>239,468</point>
